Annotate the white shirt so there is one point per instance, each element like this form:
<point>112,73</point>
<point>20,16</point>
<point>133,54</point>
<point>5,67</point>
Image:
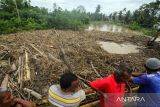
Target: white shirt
<point>61,99</point>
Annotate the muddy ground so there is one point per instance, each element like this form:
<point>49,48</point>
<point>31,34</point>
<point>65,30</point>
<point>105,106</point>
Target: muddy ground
<point>80,47</point>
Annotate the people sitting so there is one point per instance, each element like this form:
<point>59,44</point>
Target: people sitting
<point>112,87</point>
<point>67,93</point>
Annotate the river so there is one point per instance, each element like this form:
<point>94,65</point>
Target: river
<point>106,27</point>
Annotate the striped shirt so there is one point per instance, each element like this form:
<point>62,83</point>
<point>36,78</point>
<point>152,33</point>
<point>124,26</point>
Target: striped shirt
<point>59,98</point>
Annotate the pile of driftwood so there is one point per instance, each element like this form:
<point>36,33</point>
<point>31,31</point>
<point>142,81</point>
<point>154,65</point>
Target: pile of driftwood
<point>14,76</point>
<point>16,73</point>
<point>29,65</point>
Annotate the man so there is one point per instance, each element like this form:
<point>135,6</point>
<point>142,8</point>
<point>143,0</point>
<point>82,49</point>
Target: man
<point>113,86</point>
<point>68,93</point>
<point>7,100</point>
<point>149,83</point>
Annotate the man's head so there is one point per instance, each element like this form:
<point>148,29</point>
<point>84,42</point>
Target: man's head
<point>123,72</point>
<point>69,82</point>
<point>152,65</point>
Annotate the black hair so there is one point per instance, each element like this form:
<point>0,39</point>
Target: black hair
<point>67,79</point>
<point>123,67</point>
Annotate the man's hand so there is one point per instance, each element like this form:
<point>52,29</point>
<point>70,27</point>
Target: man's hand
<point>23,103</point>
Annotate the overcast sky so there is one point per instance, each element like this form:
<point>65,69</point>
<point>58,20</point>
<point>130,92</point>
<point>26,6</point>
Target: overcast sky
<point>107,6</point>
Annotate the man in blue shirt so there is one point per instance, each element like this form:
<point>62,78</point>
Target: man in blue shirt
<point>149,84</point>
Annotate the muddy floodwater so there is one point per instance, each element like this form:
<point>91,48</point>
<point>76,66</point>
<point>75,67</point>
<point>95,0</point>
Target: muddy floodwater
<point>106,27</point>
<point>115,48</point>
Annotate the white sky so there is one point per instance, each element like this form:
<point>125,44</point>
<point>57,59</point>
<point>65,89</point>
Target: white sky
<point>107,6</point>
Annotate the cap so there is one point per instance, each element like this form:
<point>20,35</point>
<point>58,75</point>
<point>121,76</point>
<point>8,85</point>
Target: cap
<point>152,63</point>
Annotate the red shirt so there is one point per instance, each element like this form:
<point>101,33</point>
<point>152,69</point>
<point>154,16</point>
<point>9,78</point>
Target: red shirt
<point>112,89</point>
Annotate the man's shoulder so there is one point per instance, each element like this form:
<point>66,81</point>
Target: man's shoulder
<point>55,88</point>
<point>109,78</point>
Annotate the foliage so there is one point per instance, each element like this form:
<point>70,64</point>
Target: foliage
<point>144,17</point>
<point>27,17</point>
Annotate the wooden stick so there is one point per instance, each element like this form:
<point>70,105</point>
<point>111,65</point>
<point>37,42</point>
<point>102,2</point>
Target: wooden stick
<point>19,67</point>
<point>53,58</point>
<point>95,70</point>
<point>41,53</point>
<point>33,93</point>
<point>28,72</point>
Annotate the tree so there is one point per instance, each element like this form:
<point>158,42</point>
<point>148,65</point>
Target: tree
<point>97,14</point>
<point>98,9</point>
<point>10,5</point>
<point>110,16</point>
<point>128,16</point>
<point>120,15</point>
<point>81,9</point>
<point>114,15</point>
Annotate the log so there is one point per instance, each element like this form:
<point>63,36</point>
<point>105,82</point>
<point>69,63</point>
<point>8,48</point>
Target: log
<point>33,93</point>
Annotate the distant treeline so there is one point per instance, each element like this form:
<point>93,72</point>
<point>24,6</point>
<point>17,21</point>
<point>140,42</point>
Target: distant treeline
<point>18,15</point>
<point>145,17</point>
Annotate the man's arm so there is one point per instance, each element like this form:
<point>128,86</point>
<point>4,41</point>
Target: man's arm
<point>140,79</point>
<point>23,103</point>
<point>98,86</point>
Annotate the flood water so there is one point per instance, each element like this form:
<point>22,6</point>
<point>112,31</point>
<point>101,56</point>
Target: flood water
<point>106,27</point>
<point>115,48</point>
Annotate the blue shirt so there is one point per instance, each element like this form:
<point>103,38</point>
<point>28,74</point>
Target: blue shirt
<point>149,89</point>
<point>149,83</point>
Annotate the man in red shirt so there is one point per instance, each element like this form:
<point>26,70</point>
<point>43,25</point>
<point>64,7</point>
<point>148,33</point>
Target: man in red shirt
<point>112,87</point>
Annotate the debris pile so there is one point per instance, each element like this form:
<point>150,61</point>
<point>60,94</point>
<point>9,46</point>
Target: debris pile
<point>32,61</point>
